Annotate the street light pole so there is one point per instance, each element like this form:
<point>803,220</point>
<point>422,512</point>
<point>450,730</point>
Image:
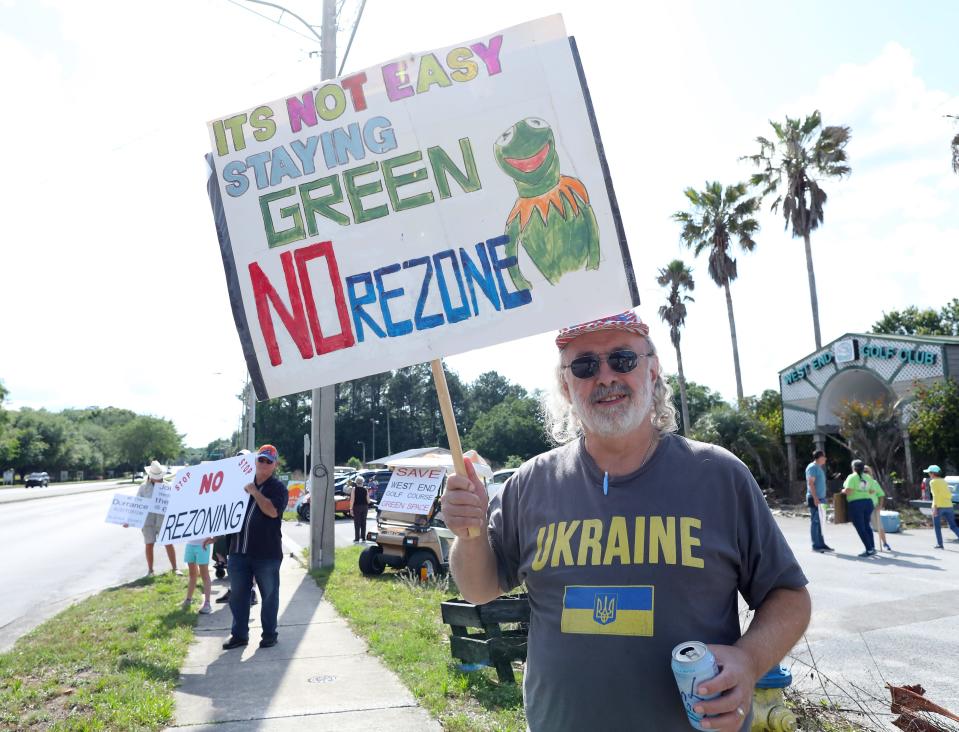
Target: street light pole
<point>360,442</point>
<point>373,424</point>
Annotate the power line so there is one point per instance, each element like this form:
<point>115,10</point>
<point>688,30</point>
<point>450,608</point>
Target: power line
<point>277,21</point>
<point>349,45</point>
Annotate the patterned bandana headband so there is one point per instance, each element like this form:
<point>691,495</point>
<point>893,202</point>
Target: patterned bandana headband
<point>628,322</point>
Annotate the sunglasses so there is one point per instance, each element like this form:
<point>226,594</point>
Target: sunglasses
<point>622,362</point>
<point>264,460</point>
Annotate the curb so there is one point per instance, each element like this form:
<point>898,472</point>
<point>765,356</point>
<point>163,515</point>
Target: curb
<point>296,552</point>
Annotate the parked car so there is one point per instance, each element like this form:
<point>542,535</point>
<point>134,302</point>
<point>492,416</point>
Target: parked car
<point>382,479</point>
<point>139,476</point>
<point>37,480</point>
<point>925,505</point>
<point>341,500</point>
<point>342,470</point>
<point>496,485</point>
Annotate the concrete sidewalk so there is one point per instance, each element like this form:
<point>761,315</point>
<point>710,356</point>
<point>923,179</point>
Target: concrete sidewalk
<point>319,676</point>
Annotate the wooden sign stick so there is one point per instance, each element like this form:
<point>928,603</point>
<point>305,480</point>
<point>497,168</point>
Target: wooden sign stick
<point>449,421</point>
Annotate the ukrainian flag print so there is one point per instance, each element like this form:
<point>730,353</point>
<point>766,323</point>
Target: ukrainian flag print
<point>608,610</point>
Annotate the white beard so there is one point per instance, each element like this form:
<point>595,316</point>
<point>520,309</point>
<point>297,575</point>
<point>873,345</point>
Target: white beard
<point>624,418</point>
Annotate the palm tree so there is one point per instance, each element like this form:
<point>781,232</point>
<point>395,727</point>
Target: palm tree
<point>717,218</point>
<point>791,166</point>
<point>955,148</point>
<point>676,275</point>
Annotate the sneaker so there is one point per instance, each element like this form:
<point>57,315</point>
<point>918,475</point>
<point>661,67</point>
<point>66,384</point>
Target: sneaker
<point>870,552</point>
<point>206,609</point>
<point>185,605</point>
<point>235,643</point>
<point>178,572</point>
<point>864,554</point>
<point>887,547</point>
<point>268,642</point>
<point>149,573</point>
<point>939,546</point>
<point>253,600</point>
<point>828,549</point>
<point>225,597</point>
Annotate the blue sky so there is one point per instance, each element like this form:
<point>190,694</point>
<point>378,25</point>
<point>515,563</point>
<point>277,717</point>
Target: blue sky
<point>105,203</point>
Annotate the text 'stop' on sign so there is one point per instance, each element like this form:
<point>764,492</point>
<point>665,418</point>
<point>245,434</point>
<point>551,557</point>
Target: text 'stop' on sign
<point>435,204</point>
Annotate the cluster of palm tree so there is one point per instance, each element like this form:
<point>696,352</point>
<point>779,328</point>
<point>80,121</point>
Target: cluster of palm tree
<point>955,148</point>
<point>791,166</point>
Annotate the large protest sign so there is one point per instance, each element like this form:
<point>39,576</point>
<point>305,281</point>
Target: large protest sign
<point>128,510</point>
<point>207,500</point>
<point>429,206</point>
<point>412,490</point>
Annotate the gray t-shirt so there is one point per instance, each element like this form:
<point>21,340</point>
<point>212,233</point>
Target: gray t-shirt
<point>616,581</point>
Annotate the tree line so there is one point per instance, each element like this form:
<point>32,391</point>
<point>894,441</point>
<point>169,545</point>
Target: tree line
<point>398,410</point>
<point>95,440</point>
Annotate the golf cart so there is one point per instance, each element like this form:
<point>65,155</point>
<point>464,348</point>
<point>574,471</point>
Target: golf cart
<point>414,540</point>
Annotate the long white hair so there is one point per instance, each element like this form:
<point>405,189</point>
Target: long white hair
<point>560,420</point>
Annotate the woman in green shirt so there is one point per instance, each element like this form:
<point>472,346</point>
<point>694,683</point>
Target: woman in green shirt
<point>859,500</point>
<point>878,500</point>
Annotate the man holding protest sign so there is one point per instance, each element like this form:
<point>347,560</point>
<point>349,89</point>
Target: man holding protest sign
<point>151,527</point>
<point>256,553</point>
<point>630,540</point>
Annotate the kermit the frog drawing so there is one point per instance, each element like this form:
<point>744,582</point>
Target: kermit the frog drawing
<point>552,218</point>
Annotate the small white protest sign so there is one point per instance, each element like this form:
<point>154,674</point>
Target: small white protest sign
<point>207,500</point>
<point>412,490</point>
<point>129,510</point>
<point>161,498</point>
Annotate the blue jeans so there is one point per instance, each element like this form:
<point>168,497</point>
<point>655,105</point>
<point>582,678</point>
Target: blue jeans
<point>949,515</point>
<point>242,570</point>
<point>860,512</point>
<point>815,527</point>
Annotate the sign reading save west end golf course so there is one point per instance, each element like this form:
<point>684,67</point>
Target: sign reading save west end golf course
<point>435,204</point>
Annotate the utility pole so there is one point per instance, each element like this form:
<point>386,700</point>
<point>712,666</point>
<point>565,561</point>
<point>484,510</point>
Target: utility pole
<point>322,414</point>
<point>323,403</point>
<point>251,418</point>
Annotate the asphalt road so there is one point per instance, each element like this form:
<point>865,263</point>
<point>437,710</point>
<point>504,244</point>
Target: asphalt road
<point>58,550</point>
<point>299,533</point>
<point>890,618</point>
<point>15,495</point>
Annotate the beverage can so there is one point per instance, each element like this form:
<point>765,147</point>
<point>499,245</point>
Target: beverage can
<point>693,663</point>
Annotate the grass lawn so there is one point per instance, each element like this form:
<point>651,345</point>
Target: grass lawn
<point>109,662</point>
<point>400,620</point>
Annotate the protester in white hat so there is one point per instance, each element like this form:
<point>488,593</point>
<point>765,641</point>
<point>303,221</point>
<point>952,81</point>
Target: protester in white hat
<point>151,527</point>
<point>630,540</point>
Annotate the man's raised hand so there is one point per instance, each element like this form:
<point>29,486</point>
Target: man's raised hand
<point>464,504</point>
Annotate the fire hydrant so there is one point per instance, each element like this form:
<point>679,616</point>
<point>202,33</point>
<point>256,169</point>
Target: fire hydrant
<point>770,713</point>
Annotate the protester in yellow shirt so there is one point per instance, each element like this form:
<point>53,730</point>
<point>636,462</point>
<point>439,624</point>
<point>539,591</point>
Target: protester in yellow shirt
<point>941,504</point>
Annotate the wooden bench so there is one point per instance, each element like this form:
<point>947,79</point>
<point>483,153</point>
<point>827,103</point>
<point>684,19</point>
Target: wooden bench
<point>494,646</point>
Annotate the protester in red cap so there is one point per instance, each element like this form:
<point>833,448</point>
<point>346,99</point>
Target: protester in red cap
<point>256,553</point>
<point>630,540</point>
